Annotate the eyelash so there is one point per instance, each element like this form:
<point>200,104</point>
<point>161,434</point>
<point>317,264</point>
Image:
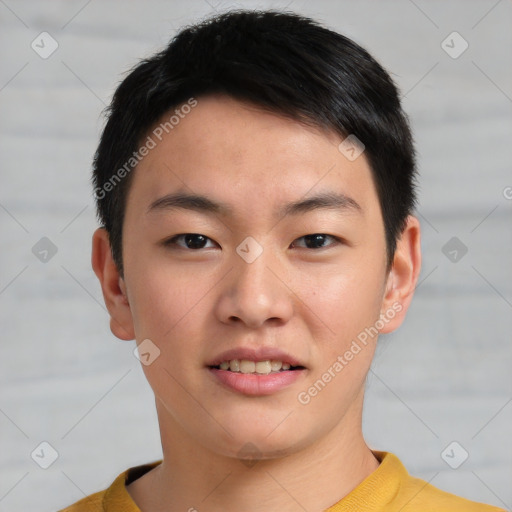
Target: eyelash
<point>172,241</point>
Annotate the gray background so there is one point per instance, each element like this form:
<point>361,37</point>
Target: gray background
<point>65,379</point>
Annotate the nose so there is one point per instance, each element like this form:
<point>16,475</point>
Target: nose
<point>255,293</point>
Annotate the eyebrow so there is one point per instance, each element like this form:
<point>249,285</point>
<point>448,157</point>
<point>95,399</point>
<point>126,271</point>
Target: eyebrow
<point>196,202</point>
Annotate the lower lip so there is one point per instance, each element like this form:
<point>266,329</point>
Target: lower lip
<point>254,384</point>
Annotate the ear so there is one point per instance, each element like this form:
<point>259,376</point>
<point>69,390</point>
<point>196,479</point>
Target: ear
<point>402,277</point>
<point>112,285</point>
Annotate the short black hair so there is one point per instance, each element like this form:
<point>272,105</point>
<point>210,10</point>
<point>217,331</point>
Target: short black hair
<point>282,62</point>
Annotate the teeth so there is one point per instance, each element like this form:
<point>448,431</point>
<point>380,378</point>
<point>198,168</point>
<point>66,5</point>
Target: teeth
<point>263,367</point>
<point>259,367</point>
<point>276,365</point>
<point>247,366</point>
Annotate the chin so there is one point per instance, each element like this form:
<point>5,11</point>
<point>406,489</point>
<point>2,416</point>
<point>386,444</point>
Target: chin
<point>263,443</point>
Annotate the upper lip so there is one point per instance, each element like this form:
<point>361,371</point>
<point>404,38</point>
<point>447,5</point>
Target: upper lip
<point>255,354</point>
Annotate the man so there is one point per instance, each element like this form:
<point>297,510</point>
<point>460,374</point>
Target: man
<point>255,186</point>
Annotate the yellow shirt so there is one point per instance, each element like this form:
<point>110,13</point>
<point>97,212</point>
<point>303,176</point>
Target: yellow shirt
<point>389,488</point>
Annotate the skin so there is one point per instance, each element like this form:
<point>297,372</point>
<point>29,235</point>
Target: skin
<point>312,303</point>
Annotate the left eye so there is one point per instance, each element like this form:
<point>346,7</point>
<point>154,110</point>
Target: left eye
<point>316,239</point>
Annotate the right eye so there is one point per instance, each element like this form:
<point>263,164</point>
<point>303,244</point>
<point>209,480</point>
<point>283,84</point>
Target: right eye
<point>193,241</point>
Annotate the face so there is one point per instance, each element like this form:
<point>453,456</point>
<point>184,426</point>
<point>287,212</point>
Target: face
<point>257,271</point>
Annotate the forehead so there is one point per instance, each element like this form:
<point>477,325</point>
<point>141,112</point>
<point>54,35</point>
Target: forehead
<point>239,154</point>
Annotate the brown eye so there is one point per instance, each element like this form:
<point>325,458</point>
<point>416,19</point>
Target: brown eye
<point>192,241</point>
<point>316,240</point>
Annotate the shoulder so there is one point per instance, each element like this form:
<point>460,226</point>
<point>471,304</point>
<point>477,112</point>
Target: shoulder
<point>116,497</point>
<point>417,495</point>
<point>421,496</point>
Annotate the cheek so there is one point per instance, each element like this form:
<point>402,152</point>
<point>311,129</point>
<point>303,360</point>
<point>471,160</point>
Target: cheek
<point>347,299</point>
<point>166,311</point>
<point>345,339</point>
<point>164,296</point>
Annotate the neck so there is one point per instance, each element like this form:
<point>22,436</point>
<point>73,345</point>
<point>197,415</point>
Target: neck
<point>193,477</point>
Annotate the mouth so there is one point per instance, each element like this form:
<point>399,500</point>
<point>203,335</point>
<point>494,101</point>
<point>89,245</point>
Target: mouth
<point>251,372</point>
<point>248,367</point>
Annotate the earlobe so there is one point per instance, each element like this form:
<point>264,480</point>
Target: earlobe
<point>112,286</point>
<point>403,276</point>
